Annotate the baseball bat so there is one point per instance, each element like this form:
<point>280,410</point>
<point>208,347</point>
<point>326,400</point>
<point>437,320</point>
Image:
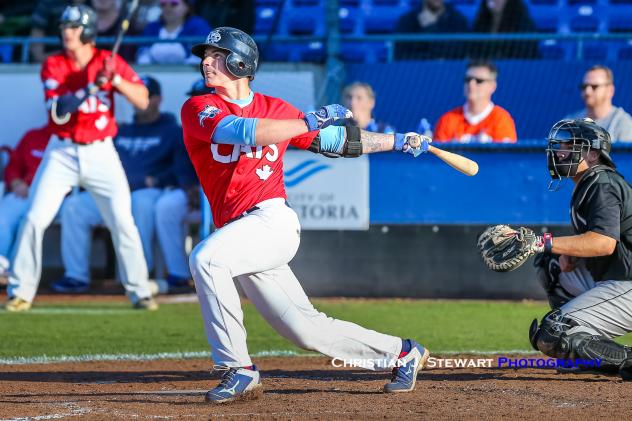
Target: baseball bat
<point>456,161</point>
<point>131,8</point>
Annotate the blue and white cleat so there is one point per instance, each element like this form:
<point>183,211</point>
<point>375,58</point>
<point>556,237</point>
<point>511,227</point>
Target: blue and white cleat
<point>237,384</point>
<point>405,375</point>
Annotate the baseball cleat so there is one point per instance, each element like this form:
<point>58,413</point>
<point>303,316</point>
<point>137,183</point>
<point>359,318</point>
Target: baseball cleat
<point>146,304</point>
<point>237,384</point>
<point>67,285</point>
<point>405,375</point>
<point>16,304</point>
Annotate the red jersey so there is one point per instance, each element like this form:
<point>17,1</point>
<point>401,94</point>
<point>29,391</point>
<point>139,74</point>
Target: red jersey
<point>236,177</point>
<point>27,156</point>
<point>94,120</point>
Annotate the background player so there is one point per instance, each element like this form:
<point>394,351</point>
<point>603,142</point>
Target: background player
<point>79,86</point>
<point>588,276</point>
<point>236,140</point>
<point>18,177</point>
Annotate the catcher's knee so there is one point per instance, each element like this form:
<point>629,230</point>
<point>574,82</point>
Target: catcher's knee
<point>559,336</point>
<point>548,274</point>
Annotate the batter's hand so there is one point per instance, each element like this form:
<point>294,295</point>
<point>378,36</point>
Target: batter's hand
<point>416,144</point>
<point>20,188</point>
<point>106,73</point>
<point>326,116</point>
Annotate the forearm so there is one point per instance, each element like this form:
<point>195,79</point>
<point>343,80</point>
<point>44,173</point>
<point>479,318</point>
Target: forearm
<point>269,132</point>
<point>376,142</point>
<point>589,244</point>
<point>136,93</point>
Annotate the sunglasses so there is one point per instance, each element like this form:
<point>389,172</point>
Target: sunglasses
<point>172,3</point>
<point>593,86</point>
<point>468,79</point>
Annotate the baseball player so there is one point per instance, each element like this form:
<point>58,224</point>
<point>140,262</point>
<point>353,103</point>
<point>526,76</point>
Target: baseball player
<point>158,171</point>
<point>588,276</point>
<point>79,85</point>
<point>236,139</point>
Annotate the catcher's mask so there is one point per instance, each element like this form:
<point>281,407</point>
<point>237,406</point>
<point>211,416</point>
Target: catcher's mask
<point>568,141</point>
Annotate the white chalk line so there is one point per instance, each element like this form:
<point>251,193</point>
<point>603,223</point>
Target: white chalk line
<point>188,355</point>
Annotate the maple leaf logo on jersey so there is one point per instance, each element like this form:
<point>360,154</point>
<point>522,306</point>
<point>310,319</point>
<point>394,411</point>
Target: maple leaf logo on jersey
<point>264,173</point>
<point>208,112</point>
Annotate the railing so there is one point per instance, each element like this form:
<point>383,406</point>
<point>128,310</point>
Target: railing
<point>579,39</point>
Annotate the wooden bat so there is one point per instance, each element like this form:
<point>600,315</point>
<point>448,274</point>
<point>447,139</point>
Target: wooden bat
<point>456,161</point>
<point>131,8</point>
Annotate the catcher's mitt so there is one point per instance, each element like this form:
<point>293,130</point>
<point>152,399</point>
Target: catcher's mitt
<point>504,249</point>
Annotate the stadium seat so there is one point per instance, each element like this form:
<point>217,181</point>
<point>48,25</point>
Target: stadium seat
<point>306,21</point>
<point>553,50</point>
<point>545,2</point>
<point>300,3</point>
<point>625,51</point>
<point>347,20</point>
<point>586,18</point>
<point>578,2</point>
<point>364,52</point>
<point>382,20</point>
<point>595,51</point>
<point>264,19</point>
<point>349,3</point>
<point>6,53</point>
<point>621,1</point>
<point>267,2</point>
<point>545,17</point>
<point>620,19</point>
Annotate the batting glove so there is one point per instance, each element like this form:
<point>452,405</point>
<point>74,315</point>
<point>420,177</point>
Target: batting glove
<point>412,143</point>
<point>326,116</point>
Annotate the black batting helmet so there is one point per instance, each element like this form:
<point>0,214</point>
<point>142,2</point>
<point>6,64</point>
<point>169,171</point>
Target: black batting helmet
<point>81,15</point>
<point>568,139</point>
<point>243,56</point>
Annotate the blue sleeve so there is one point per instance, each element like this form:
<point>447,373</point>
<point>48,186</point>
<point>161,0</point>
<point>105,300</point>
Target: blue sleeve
<point>233,130</point>
<point>332,139</point>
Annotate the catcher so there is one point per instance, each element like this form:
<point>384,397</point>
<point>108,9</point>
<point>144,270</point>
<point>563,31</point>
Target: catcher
<point>587,276</point>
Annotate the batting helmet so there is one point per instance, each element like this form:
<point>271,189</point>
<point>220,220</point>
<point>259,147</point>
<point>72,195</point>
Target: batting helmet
<point>243,54</point>
<point>568,139</point>
<point>81,15</point>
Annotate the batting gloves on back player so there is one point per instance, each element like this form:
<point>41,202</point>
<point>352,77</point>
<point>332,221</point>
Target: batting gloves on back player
<point>326,116</point>
<point>504,249</point>
<point>412,143</point>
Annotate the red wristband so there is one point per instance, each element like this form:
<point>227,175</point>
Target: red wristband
<point>548,242</point>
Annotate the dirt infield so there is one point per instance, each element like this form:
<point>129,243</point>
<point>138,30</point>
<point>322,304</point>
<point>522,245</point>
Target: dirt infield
<point>303,388</point>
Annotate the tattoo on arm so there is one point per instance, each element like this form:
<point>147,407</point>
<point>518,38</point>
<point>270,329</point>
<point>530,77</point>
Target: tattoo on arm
<point>376,142</point>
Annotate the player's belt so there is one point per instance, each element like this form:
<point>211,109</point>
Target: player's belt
<point>70,140</point>
<point>248,212</point>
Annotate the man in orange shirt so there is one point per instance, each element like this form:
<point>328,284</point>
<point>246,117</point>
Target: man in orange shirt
<point>479,120</point>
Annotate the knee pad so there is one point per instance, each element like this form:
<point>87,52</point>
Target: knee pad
<point>548,274</point>
<point>562,337</point>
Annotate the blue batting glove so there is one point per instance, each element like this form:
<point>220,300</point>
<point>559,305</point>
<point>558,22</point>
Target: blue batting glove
<point>412,143</point>
<point>326,116</point>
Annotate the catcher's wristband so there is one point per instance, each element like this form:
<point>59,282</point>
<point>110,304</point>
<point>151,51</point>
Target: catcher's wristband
<point>547,240</point>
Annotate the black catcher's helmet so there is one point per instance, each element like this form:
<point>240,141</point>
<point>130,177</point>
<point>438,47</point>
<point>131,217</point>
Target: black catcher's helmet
<point>81,15</point>
<point>243,56</point>
<point>568,139</point>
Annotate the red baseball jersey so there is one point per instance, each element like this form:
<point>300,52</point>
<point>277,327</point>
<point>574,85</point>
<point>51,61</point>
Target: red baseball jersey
<point>94,120</point>
<point>27,156</point>
<point>236,177</point>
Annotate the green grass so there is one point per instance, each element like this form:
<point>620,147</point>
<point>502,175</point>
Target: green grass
<point>113,328</point>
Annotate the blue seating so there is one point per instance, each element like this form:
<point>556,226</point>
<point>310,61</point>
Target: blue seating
<point>586,18</point>
<point>546,17</point>
<point>625,51</point>
<point>306,21</point>
<point>364,52</point>
<point>264,19</point>
<point>554,50</point>
<point>382,20</point>
<point>545,2</point>
<point>348,20</point>
<point>620,19</point>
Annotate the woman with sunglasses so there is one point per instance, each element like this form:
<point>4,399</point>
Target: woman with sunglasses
<point>176,21</point>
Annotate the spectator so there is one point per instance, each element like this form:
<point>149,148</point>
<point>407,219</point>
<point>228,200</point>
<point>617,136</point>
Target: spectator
<point>148,11</point>
<point>18,176</point>
<point>109,14</point>
<point>158,170</point>
<point>597,90</point>
<point>238,14</point>
<point>432,17</point>
<point>504,16</point>
<point>359,97</point>
<point>479,119</point>
<point>177,21</point>
<point>45,23</point>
